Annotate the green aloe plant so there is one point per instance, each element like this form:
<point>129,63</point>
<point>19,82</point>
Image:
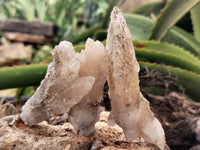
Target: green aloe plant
<point>22,76</point>
<point>153,51</point>
<point>196,20</point>
<point>174,10</point>
<point>150,9</point>
<point>175,52</point>
<point>190,81</point>
<point>102,25</point>
<point>163,29</point>
<point>167,48</point>
<point>66,14</point>
<point>140,27</point>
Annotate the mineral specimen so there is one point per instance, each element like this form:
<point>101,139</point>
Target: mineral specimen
<point>58,91</point>
<point>74,85</point>
<point>85,114</point>
<point>130,110</point>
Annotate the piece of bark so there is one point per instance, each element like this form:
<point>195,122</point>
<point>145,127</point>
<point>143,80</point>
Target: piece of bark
<point>35,27</point>
<point>12,53</point>
<point>45,136</point>
<point>29,38</point>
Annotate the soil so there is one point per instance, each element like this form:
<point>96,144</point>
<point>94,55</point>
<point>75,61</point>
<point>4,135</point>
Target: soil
<point>16,135</point>
<point>180,120</point>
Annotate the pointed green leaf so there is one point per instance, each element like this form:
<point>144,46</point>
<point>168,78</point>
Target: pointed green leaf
<point>41,10</point>
<point>173,11</point>
<point>87,33</point>
<point>140,28</point>
<point>184,39</point>
<point>28,9</point>
<point>167,59</point>
<point>149,9</point>
<point>153,90</point>
<point>190,81</point>
<point>166,48</point>
<point>195,15</point>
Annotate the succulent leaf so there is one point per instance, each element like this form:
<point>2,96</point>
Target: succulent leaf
<point>149,9</point>
<point>189,80</point>
<point>166,48</point>
<point>196,20</point>
<point>22,76</point>
<point>173,11</point>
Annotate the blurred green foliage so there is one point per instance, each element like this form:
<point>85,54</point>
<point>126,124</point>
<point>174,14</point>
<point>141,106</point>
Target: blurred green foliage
<point>174,54</point>
<point>71,16</point>
<point>42,54</point>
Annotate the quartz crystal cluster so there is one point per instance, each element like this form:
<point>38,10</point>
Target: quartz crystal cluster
<point>74,85</point>
<point>130,110</point>
<point>61,89</point>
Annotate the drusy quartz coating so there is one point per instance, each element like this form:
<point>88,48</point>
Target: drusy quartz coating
<point>74,85</point>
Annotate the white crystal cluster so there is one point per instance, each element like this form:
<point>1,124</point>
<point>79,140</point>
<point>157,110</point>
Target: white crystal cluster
<point>85,114</point>
<point>130,110</point>
<point>74,85</point>
<point>61,89</point>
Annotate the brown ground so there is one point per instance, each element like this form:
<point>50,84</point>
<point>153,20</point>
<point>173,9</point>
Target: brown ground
<point>15,135</point>
<point>180,120</point>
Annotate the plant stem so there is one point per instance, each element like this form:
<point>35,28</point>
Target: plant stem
<point>22,76</point>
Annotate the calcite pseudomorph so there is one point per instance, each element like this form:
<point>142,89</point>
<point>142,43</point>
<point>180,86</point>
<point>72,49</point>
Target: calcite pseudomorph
<point>85,114</point>
<point>130,110</point>
<point>74,85</point>
<point>57,93</point>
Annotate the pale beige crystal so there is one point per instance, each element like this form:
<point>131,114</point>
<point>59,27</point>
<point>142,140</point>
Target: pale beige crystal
<point>61,88</point>
<point>74,85</point>
<point>130,110</point>
<point>94,62</point>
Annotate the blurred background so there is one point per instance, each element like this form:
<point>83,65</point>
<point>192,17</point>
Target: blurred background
<point>30,29</point>
<point>165,33</point>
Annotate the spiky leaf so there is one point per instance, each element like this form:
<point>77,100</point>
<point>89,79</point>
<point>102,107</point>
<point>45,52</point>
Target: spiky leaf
<point>140,27</point>
<point>184,39</point>
<point>174,10</point>
<point>166,48</point>
<point>87,33</point>
<point>190,81</point>
<point>167,59</point>
<point>149,9</point>
<point>195,12</point>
